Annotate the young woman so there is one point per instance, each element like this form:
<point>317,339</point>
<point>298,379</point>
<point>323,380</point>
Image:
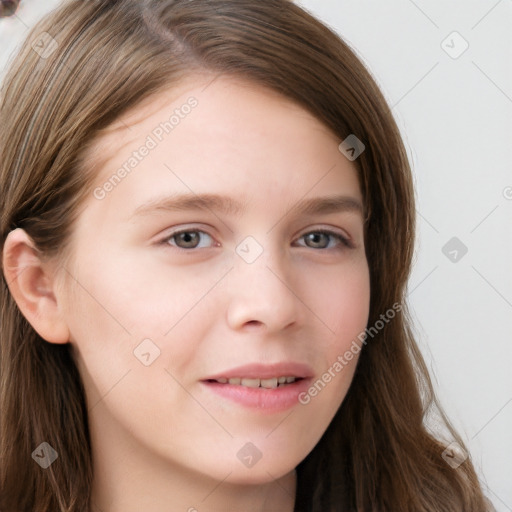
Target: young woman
<point>207,224</point>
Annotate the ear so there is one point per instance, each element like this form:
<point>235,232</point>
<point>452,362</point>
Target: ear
<point>32,284</point>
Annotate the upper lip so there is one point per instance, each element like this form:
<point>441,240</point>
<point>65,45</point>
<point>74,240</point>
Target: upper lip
<point>266,371</point>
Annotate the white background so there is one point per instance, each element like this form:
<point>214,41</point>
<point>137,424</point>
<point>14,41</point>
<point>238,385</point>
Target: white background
<point>455,115</point>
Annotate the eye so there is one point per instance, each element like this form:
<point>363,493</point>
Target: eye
<point>321,239</point>
<point>188,239</point>
<point>197,239</point>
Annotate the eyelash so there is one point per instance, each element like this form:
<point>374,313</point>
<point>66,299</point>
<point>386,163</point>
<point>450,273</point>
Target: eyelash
<point>345,242</point>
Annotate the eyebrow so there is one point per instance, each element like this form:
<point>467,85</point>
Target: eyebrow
<point>229,206</point>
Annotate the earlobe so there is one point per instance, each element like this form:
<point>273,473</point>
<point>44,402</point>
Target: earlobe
<point>32,285</point>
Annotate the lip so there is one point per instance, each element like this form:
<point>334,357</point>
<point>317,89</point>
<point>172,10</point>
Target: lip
<point>262,400</point>
<point>266,371</point>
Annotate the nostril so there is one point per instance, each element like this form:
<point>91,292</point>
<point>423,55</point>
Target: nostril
<point>253,323</point>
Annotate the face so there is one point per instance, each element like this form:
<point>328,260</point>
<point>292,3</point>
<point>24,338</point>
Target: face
<point>214,285</point>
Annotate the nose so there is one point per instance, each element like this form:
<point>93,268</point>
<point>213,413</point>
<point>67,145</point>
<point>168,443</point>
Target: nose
<point>262,295</point>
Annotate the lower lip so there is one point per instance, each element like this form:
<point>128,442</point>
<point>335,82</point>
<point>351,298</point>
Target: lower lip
<point>262,399</point>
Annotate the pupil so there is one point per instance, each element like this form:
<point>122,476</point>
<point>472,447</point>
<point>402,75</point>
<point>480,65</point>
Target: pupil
<point>190,239</point>
<point>316,237</point>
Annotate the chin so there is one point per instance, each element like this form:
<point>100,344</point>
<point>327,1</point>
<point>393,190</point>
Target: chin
<point>254,476</point>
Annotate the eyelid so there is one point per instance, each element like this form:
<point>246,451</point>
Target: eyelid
<point>344,239</point>
<point>172,234</point>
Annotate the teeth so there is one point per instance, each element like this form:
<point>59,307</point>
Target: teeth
<point>269,383</point>
<point>272,383</point>
<point>250,383</point>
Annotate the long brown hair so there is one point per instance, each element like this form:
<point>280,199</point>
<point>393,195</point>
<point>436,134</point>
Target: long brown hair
<point>82,67</point>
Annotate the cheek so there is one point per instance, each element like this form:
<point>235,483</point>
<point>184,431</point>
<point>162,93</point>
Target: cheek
<point>342,306</point>
<point>341,302</point>
<point>121,311</point>
<point>124,294</point>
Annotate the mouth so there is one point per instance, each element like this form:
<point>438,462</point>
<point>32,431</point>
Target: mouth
<point>264,396</point>
<point>272,383</point>
<point>263,388</point>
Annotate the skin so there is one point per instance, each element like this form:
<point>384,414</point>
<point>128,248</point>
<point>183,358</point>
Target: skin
<point>161,440</point>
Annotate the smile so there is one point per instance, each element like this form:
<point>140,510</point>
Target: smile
<point>271,383</point>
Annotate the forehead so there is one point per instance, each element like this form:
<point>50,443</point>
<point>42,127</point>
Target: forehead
<point>237,139</point>
<point>231,108</point>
